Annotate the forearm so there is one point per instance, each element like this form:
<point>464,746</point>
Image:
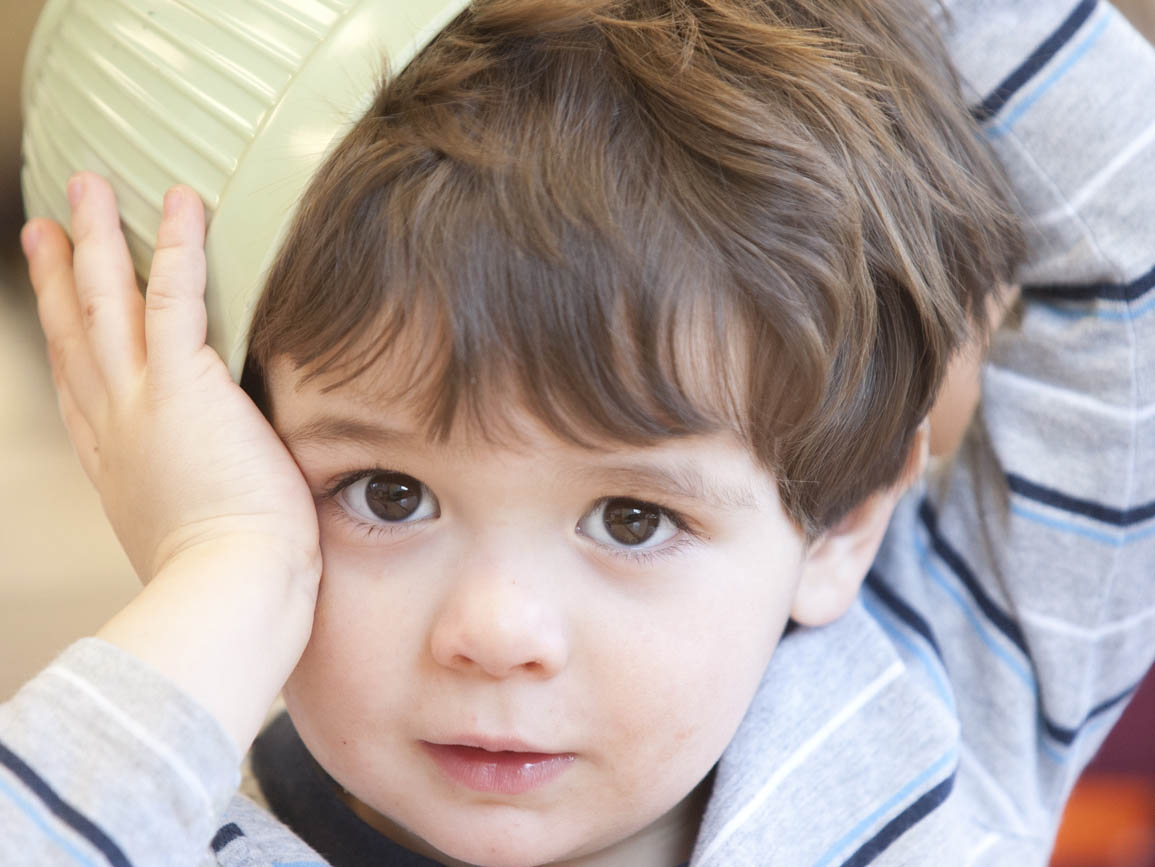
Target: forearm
<point>1043,532</point>
<point>225,623</point>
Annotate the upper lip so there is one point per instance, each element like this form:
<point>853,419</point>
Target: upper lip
<point>492,744</point>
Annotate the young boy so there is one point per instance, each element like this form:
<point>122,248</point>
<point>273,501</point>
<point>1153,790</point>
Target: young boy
<point>599,352</point>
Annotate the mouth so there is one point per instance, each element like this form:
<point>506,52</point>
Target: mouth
<point>497,771</point>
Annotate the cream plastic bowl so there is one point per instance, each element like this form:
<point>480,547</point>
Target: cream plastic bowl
<point>240,99</point>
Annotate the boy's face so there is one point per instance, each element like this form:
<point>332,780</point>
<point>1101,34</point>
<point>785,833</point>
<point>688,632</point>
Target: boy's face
<point>606,614</point>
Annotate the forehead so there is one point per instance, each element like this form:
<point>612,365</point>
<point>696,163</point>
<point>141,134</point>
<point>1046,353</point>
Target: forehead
<point>352,419</point>
<point>621,383</point>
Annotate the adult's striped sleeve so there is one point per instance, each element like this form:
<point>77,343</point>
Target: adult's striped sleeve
<point>1043,539</point>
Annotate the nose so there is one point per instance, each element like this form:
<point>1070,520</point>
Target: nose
<point>496,624</point>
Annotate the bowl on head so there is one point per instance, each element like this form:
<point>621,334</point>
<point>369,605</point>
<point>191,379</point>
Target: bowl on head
<point>242,102</point>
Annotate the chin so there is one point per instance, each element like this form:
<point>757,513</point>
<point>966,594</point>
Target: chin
<point>484,853</point>
<point>496,844</point>
<point>499,859</point>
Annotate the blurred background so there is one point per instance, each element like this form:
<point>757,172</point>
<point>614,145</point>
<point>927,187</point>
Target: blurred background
<point>62,573</point>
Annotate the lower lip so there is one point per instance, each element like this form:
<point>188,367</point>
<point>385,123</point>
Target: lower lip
<point>505,773</point>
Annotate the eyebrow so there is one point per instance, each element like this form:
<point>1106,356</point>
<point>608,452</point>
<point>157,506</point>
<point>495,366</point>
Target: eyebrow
<point>684,481</point>
<point>334,430</point>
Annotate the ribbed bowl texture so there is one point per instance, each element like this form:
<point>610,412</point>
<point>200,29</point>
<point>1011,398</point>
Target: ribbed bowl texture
<point>155,93</point>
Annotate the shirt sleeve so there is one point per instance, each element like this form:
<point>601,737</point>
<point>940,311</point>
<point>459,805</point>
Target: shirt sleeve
<point>1036,548</point>
<point>104,762</point>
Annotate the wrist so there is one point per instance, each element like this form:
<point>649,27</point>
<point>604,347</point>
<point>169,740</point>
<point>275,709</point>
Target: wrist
<point>226,622</point>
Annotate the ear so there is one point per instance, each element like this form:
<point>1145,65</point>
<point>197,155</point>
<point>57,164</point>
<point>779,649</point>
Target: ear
<point>836,563</point>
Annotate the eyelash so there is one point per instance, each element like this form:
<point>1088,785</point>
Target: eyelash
<point>329,497</point>
<point>648,556</point>
<point>645,556</point>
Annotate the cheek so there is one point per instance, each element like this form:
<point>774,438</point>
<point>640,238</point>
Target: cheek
<point>351,675</point>
<point>683,681</point>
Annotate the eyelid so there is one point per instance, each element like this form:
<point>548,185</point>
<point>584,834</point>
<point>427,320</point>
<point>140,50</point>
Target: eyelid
<point>690,533</point>
<point>343,481</point>
<point>677,518</point>
<point>332,498</point>
<point>684,535</point>
<point>680,519</point>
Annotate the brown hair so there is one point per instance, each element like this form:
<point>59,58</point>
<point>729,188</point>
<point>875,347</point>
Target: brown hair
<point>659,218</point>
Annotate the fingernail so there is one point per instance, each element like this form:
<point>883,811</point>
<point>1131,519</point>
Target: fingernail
<point>171,202</point>
<point>75,190</point>
<point>29,240</point>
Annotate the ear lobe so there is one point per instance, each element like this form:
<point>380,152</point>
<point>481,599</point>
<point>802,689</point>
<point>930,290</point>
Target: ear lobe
<point>837,562</point>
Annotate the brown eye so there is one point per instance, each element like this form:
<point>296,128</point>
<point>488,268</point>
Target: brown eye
<point>631,522</point>
<point>393,496</point>
<point>623,523</point>
<point>386,497</point>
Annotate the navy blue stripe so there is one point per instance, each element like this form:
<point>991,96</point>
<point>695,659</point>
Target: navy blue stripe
<point>1038,58</point>
<point>1006,625</point>
<point>1132,291</point>
<point>901,823</point>
<point>901,610</point>
<point>1067,736</point>
<point>954,560</point>
<point>225,835</point>
<point>63,811</point>
<point>1078,506</point>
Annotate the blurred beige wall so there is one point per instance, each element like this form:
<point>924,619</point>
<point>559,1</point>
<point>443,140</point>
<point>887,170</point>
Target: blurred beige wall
<point>1141,13</point>
<point>61,571</point>
<point>19,17</point>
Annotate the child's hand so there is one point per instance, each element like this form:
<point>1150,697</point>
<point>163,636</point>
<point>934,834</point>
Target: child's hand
<point>180,455</point>
<point>958,398</point>
<point>208,503</point>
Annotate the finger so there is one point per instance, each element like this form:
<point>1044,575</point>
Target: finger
<point>175,320</point>
<point>111,308</point>
<point>79,432</point>
<point>50,269</point>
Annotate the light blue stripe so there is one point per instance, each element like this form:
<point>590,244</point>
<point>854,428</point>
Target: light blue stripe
<point>991,641</point>
<point>1050,750</point>
<point>1051,80</point>
<point>1128,314</point>
<point>894,628</point>
<point>1117,539</point>
<point>1103,720</point>
<point>44,826</point>
<point>890,804</point>
<point>1044,740</point>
